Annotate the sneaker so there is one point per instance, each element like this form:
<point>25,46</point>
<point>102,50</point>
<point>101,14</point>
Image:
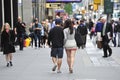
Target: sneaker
<point>7,65</point>
<point>110,52</point>
<point>11,63</point>
<point>54,68</point>
<point>104,56</point>
<point>59,71</point>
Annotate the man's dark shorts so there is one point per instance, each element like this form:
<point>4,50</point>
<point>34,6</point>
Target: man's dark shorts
<point>57,52</point>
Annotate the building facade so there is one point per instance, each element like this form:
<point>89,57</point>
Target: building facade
<point>8,12</point>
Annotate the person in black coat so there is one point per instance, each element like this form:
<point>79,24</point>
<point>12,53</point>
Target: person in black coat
<point>107,34</point>
<point>56,41</point>
<point>82,29</point>
<point>20,32</point>
<point>7,43</point>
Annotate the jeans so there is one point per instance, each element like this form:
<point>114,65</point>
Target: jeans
<point>21,40</point>
<point>114,39</point>
<point>37,37</point>
<point>118,39</point>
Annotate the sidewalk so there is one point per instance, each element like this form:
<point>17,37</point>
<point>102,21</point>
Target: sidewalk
<point>36,64</point>
<point>96,54</point>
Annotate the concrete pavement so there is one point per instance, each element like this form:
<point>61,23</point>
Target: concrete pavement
<point>36,64</point>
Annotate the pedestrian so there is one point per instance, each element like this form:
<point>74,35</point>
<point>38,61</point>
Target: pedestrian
<point>118,31</point>
<point>20,32</point>
<point>70,43</point>
<point>98,30</point>
<point>56,41</point>
<point>7,43</point>
<point>107,34</point>
<point>90,24</point>
<point>31,35</point>
<point>37,33</point>
<point>47,25</point>
<point>82,28</point>
<point>43,37</point>
<point>114,28</point>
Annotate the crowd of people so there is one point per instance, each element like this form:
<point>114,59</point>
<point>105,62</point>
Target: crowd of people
<point>60,35</point>
<point>105,32</point>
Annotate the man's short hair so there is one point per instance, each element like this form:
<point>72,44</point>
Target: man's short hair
<point>58,21</point>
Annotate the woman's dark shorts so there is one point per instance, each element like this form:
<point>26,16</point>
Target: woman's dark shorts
<point>57,52</point>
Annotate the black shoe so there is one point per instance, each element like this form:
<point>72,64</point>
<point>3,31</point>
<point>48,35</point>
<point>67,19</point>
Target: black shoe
<point>110,53</point>
<point>54,68</point>
<point>11,63</point>
<point>7,65</point>
<point>21,49</point>
<point>70,70</point>
<point>104,56</point>
<point>82,47</point>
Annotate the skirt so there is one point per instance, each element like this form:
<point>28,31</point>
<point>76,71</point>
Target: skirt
<point>70,44</point>
<point>8,49</point>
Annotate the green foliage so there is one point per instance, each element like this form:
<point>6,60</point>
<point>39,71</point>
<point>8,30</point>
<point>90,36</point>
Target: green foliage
<point>68,8</point>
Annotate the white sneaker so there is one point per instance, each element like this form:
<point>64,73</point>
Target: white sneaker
<point>59,71</point>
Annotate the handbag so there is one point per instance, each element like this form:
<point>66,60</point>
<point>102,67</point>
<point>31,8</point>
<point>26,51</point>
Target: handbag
<point>78,38</point>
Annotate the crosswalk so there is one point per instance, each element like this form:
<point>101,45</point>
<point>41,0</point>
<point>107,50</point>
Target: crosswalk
<point>96,58</point>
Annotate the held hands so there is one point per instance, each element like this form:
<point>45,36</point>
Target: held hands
<point>110,38</point>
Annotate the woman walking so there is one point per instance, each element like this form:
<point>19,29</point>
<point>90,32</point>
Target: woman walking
<point>70,43</point>
<point>7,43</point>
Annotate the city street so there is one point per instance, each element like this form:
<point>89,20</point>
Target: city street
<point>36,64</point>
<point>35,19</point>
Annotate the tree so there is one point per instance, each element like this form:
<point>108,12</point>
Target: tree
<point>68,8</point>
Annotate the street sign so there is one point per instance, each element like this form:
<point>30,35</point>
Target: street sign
<point>108,7</point>
<point>53,5</point>
<point>63,1</point>
<point>97,1</point>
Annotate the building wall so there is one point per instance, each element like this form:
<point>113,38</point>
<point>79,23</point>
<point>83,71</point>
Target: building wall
<point>42,9</point>
<point>15,12</point>
<point>7,11</point>
<point>27,11</point>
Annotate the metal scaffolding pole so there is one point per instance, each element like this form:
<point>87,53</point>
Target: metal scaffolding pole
<point>12,14</point>
<point>3,21</point>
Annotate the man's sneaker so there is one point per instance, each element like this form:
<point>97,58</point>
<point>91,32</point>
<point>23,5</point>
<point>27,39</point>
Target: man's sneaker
<point>59,71</point>
<point>54,68</point>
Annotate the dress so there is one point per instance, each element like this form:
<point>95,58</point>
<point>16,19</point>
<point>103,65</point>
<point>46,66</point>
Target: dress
<point>69,39</point>
<point>7,42</point>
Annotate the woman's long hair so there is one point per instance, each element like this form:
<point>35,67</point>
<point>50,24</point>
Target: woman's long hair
<point>3,27</point>
<point>68,24</point>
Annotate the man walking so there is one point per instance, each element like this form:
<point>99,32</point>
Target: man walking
<point>107,34</point>
<point>118,31</point>
<point>20,32</point>
<point>56,41</point>
<point>82,28</point>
